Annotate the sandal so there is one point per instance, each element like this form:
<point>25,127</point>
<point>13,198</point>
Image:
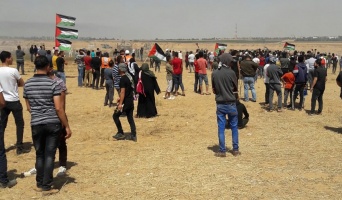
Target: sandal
<point>208,93</point>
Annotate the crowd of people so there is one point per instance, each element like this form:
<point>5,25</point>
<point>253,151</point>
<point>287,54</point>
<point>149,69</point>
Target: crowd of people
<point>44,93</point>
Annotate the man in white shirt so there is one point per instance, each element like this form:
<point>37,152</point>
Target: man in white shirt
<point>4,182</point>
<point>310,65</point>
<point>191,59</point>
<point>267,84</point>
<point>10,80</point>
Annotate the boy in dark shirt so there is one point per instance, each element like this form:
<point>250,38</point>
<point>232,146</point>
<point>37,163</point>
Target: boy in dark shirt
<point>125,104</point>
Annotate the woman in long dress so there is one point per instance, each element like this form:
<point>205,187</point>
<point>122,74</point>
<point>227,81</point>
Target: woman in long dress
<point>146,102</point>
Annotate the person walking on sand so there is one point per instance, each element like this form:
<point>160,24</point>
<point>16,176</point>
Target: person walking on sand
<point>125,104</point>
<point>20,59</point>
<point>224,86</point>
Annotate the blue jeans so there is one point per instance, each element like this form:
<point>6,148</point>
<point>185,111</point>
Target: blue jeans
<point>80,75</point>
<point>3,159</point>
<point>45,140</point>
<point>61,75</point>
<point>249,84</point>
<point>177,79</point>
<point>222,110</point>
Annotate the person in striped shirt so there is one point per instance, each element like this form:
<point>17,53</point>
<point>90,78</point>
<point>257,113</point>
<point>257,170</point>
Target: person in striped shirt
<point>43,101</point>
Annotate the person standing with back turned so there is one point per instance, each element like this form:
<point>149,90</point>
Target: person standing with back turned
<point>224,86</point>
<point>10,81</point>
<point>43,101</point>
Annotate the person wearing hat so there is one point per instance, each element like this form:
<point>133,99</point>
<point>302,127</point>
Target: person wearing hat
<point>274,74</point>
<point>125,104</point>
<point>224,85</point>
<point>127,56</point>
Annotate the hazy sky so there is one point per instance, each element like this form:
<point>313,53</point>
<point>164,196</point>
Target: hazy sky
<point>150,19</point>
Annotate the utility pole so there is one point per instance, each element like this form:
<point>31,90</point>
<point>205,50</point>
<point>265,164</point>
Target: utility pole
<point>236,37</point>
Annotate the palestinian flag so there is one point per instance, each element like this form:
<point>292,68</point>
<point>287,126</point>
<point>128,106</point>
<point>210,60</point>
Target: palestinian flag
<point>157,52</point>
<point>66,33</point>
<point>219,47</point>
<point>63,20</point>
<point>289,46</point>
<point>63,45</point>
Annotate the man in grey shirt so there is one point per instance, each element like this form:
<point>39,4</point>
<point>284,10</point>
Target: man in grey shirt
<point>20,59</point>
<point>224,85</point>
<point>274,73</point>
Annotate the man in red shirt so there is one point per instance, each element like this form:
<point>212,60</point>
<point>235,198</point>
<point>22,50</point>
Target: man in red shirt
<point>202,73</point>
<point>177,73</point>
<point>261,65</point>
<point>88,70</point>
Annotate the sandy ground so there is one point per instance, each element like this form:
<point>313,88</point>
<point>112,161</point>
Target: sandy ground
<point>285,155</point>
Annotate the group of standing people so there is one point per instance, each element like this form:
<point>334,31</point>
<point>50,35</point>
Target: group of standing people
<point>44,95</point>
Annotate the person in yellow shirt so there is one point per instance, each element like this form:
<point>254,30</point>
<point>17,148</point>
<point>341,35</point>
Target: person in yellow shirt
<point>54,58</point>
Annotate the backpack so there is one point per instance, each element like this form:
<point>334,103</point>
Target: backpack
<point>140,86</point>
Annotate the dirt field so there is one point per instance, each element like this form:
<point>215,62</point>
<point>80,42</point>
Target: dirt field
<point>287,155</point>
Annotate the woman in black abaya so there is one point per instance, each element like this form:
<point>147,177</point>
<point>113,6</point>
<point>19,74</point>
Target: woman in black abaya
<point>146,102</point>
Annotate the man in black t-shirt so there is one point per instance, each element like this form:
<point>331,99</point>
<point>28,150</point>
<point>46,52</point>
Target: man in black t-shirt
<point>125,104</point>
<point>95,65</point>
<point>318,87</point>
<point>60,66</point>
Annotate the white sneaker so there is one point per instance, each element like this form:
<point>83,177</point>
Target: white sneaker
<point>61,171</point>
<point>171,97</point>
<point>31,172</point>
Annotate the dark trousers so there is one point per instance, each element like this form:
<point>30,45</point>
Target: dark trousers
<point>45,140</point>
<point>96,77</point>
<point>62,149</point>
<point>17,110</point>
<point>334,68</point>
<point>299,88</point>
<point>267,93</point>
<point>157,66</point>
<point>196,82</point>
<point>83,74</point>
<point>102,77</point>
<point>20,64</point>
<point>109,93</point>
<point>288,92</point>
<point>275,88</point>
<point>3,159</point>
<point>177,79</point>
<point>129,113</point>
<point>317,95</point>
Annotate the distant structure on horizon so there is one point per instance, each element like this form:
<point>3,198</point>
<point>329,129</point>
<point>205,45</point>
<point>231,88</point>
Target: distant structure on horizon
<point>236,37</point>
